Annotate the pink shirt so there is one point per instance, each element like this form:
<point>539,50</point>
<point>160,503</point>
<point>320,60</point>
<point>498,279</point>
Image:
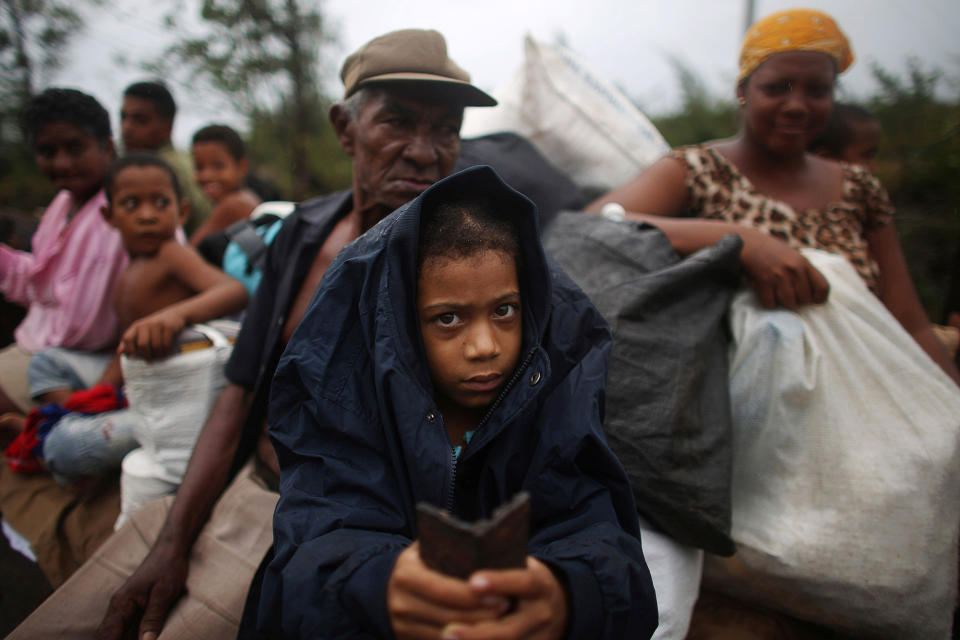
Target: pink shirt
<point>67,281</point>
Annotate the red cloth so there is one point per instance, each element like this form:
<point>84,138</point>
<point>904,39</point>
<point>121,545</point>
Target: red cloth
<point>24,453</point>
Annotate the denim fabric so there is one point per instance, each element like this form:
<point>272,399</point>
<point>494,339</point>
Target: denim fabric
<point>89,445</point>
<point>58,368</point>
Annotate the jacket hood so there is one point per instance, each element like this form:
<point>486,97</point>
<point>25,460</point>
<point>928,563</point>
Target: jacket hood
<point>401,238</point>
<point>360,344</point>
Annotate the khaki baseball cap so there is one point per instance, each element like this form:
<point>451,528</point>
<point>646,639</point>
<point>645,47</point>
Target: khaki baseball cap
<point>411,56</point>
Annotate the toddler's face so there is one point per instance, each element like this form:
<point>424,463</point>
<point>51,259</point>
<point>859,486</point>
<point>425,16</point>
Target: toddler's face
<point>472,327</point>
<point>71,158</point>
<point>866,142</point>
<point>144,208</point>
<point>216,171</point>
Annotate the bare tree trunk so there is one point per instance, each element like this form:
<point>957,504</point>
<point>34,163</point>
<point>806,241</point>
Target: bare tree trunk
<point>23,62</point>
<point>301,117</point>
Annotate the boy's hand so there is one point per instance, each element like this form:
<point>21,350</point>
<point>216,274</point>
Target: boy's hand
<point>152,337</point>
<point>541,609</point>
<point>422,602</point>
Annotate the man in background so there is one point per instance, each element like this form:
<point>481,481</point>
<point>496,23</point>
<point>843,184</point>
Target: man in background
<point>146,124</point>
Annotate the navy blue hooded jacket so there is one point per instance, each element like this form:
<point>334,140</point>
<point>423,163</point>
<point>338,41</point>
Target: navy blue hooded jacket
<point>361,441</point>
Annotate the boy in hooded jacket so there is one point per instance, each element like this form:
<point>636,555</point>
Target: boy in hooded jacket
<point>444,359</point>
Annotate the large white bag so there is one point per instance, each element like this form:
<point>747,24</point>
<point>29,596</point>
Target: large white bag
<point>172,398</point>
<point>581,122</point>
<point>846,497</point>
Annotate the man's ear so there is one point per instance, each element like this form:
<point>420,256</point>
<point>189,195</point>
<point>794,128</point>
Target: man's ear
<point>343,127</point>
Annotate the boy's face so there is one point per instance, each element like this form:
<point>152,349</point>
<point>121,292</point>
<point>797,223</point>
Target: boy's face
<point>471,323</point>
<point>142,127</point>
<point>216,171</point>
<point>71,158</point>
<point>144,209</point>
<point>866,142</point>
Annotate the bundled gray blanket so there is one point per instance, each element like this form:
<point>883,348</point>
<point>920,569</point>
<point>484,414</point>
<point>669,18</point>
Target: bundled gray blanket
<point>668,405</point>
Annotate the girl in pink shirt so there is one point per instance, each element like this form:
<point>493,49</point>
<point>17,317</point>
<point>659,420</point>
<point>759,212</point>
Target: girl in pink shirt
<point>65,283</point>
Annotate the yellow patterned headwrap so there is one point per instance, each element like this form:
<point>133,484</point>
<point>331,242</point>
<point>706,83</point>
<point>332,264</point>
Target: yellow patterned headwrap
<point>793,30</point>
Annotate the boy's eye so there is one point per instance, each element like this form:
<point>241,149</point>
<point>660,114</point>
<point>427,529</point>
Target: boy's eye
<point>129,203</point>
<point>161,202</point>
<point>448,319</point>
<point>505,311</point>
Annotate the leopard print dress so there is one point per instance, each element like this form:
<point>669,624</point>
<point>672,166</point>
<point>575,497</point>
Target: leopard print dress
<point>719,191</point>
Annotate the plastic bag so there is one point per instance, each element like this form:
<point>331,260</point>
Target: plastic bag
<point>845,482</point>
<point>581,122</point>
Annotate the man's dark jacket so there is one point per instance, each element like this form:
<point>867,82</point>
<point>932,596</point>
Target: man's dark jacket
<point>361,441</point>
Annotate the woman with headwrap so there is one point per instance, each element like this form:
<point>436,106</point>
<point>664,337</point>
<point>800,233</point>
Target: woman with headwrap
<point>846,436</point>
<point>763,185</point>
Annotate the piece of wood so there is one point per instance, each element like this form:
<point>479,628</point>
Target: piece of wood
<point>457,548</point>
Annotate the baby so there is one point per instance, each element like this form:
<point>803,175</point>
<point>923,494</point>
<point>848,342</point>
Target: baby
<point>852,135</point>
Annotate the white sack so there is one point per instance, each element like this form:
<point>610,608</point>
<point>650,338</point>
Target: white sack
<point>845,483</point>
<point>173,396</point>
<point>579,121</point>
<point>675,570</point>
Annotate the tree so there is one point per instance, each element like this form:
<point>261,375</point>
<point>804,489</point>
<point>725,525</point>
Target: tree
<point>701,116</point>
<point>918,163</point>
<point>263,54</point>
<point>33,34</point>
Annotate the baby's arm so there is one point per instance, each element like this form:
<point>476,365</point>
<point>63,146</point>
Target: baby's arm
<point>217,294</point>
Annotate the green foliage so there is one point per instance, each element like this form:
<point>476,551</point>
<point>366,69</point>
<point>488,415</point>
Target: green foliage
<point>701,117</point>
<point>263,55</point>
<point>33,34</point>
<point>271,153</point>
<point>919,163</point>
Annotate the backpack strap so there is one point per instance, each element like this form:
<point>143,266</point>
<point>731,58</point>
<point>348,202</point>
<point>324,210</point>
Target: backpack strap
<point>249,241</point>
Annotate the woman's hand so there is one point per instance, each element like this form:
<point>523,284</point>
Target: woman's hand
<point>152,337</point>
<point>541,609</point>
<point>779,274</point>
<point>421,602</point>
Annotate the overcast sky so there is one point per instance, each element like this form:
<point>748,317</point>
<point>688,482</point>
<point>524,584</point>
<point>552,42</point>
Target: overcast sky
<point>629,42</point>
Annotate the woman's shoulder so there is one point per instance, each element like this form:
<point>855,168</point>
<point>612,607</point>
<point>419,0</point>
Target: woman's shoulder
<point>701,158</point>
<point>863,188</point>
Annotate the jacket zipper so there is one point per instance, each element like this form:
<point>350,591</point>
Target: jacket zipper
<point>451,493</point>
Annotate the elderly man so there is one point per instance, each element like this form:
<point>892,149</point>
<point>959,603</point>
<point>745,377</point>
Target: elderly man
<point>399,121</point>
